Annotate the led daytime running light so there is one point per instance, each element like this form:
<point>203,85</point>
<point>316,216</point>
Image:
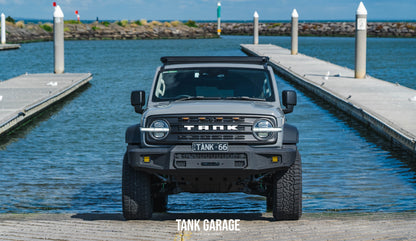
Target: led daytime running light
<point>258,129</point>
<point>156,129</point>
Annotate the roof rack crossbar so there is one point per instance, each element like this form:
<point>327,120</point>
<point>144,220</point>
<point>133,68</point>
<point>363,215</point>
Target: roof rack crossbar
<point>169,60</point>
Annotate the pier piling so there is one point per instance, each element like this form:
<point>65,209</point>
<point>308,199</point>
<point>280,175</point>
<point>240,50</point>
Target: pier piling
<point>256,28</point>
<point>360,42</point>
<point>58,39</point>
<point>219,18</point>
<point>295,27</point>
<point>3,29</point>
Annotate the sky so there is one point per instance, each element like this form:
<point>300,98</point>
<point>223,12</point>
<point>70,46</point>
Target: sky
<point>207,9</point>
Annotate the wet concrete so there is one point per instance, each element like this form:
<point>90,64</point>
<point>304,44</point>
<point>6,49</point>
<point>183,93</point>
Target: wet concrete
<point>255,226</point>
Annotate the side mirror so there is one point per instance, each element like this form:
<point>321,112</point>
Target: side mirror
<point>289,100</point>
<point>138,100</point>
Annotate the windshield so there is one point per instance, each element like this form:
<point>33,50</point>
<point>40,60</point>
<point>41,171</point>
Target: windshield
<point>213,83</point>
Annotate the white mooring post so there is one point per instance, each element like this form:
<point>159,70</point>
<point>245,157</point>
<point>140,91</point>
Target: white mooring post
<point>219,18</point>
<point>58,39</point>
<point>3,29</point>
<point>295,27</point>
<point>256,28</point>
<point>360,42</point>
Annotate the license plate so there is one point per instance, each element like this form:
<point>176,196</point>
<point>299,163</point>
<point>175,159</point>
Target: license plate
<point>210,146</point>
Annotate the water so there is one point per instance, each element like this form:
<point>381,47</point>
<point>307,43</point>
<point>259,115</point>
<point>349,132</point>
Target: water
<point>69,158</point>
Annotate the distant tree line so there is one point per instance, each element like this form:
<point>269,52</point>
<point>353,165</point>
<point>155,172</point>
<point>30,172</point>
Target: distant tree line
<point>10,20</point>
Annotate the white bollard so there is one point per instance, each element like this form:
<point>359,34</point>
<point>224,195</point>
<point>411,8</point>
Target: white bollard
<point>295,27</point>
<point>361,42</point>
<point>256,28</point>
<point>58,39</point>
<point>3,29</point>
<point>219,18</point>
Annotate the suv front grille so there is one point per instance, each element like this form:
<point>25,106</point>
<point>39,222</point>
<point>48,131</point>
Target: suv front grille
<point>194,128</point>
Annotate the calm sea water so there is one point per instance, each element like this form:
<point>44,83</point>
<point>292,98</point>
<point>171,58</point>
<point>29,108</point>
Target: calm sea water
<point>69,158</point>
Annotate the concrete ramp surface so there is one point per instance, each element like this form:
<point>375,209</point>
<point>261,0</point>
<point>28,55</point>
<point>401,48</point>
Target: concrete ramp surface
<point>318,226</point>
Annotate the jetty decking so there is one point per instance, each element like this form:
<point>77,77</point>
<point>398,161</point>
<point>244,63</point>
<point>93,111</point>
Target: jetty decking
<point>9,46</point>
<point>26,95</point>
<point>388,108</point>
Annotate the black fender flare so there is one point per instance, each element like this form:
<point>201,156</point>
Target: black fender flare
<point>133,134</point>
<point>290,134</point>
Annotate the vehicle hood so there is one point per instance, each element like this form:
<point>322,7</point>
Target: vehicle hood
<point>214,107</point>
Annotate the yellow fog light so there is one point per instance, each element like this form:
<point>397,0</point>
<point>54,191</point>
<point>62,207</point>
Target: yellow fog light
<point>146,159</point>
<point>275,159</point>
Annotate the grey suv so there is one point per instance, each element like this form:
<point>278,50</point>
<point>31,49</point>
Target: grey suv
<point>212,125</point>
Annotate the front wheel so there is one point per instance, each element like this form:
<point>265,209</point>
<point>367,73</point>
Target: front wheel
<point>136,193</point>
<point>287,192</point>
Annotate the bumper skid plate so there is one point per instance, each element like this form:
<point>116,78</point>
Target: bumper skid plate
<point>181,158</point>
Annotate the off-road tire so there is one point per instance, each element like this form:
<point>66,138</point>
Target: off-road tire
<point>160,203</point>
<point>287,192</point>
<point>136,193</point>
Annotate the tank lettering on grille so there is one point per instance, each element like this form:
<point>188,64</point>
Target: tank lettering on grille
<point>203,128</point>
<point>189,128</point>
<point>232,128</point>
<point>217,128</point>
<point>212,128</point>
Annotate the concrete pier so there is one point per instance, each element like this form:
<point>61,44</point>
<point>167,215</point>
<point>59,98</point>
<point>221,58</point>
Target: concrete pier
<point>9,46</point>
<point>388,108</point>
<point>3,44</point>
<point>26,95</point>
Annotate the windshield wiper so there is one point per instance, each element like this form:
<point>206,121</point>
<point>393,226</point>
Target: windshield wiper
<point>217,98</point>
<point>196,98</point>
<point>244,98</point>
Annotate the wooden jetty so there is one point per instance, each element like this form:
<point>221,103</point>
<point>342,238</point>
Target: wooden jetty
<point>388,108</point>
<point>26,95</point>
<point>9,46</point>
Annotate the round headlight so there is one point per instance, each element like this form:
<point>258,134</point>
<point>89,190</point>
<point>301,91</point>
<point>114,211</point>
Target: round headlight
<point>262,129</point>
<point>160,129</point>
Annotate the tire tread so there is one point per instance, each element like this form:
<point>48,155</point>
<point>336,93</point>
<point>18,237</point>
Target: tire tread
<point>287,192</point>
<point>136,193</point>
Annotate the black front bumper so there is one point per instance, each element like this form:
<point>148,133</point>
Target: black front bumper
<point>240,159</point>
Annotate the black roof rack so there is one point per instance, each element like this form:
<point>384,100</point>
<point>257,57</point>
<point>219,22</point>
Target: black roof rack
<point>261,60</point>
